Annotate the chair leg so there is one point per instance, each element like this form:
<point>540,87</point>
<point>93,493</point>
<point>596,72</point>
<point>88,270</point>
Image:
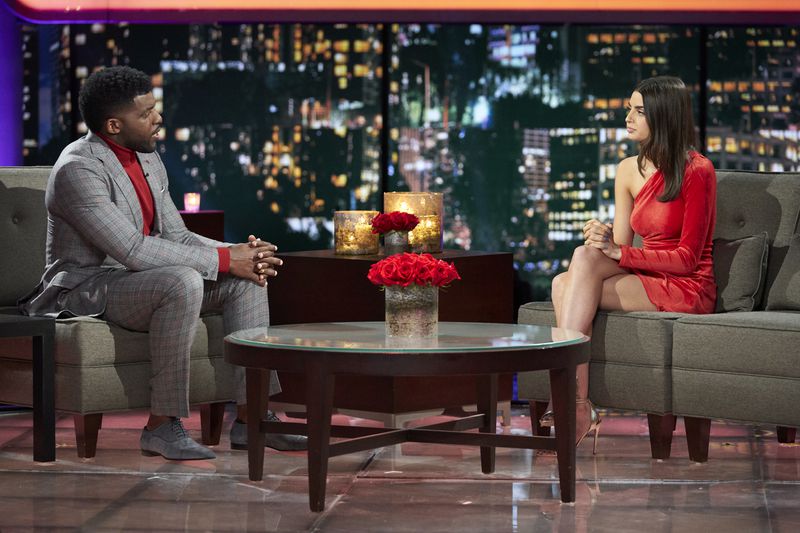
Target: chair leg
<point>86,429</point>
<point>698,433</point>
<point>786,435</point>
<point>537,410</point>
<point>661,428</point>
<point>211,415</point>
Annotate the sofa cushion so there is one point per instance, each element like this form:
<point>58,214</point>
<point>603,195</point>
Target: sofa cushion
<point>639,337</point>
<point>738,366</point>
<point>756,343</point>
<point>627,349</point>
<point>740,268</point>
<point>785,292</point>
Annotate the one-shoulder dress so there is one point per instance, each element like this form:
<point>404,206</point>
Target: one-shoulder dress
<point>675,263</point>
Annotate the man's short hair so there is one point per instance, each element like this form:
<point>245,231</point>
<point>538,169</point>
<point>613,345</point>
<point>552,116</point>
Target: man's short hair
<point>106,91</point>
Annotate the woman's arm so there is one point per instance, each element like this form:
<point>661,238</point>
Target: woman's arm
<point>606,237</point>
<point>623,202</point>
<point>699,195</point>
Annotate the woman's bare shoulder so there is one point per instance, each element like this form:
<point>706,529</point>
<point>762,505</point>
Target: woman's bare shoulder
<point>629,163</point>
<point>627,169</point>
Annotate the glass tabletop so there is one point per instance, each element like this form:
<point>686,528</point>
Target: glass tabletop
<point>371,337</point>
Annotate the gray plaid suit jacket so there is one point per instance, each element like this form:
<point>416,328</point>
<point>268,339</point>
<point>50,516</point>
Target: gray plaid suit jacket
<point>94,226</point>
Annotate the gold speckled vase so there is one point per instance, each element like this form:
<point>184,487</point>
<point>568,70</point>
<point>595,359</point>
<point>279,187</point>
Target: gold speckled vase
<point>413,311</point>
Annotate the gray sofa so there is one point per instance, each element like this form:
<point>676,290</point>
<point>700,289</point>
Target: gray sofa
<point>99,367</point>
<point>741,363</point>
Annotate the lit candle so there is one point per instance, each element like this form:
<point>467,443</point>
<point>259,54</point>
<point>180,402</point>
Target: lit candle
<point>427,236</point>
<point>352,233</point>
<point>191,202</point>
<point>429,207</point>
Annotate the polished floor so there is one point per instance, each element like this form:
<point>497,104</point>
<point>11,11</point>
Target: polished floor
<point>750,483</point>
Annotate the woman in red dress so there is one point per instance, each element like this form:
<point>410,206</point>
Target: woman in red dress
<point>667,195</point>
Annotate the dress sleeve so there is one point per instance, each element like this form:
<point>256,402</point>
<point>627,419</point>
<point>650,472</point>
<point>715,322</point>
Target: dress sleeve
<point>699,194</point>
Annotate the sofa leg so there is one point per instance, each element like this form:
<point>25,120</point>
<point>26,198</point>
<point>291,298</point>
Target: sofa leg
<point>537,410</point>
<point>661,428</point>
<point>86,429</point>
<point>698,433</point>
<point>786,435</point>
<point>211,415</point>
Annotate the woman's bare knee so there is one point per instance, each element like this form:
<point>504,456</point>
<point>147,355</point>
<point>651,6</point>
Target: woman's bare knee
<point>586,257</point>
<point>558,286</point>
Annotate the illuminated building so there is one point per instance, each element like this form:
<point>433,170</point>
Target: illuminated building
<point>574,156</point>
<point>753,101</point>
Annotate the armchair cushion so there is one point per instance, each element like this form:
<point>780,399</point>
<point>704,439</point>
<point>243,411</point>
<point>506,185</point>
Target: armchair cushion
<point>101,367</point>
<point>740,268</point>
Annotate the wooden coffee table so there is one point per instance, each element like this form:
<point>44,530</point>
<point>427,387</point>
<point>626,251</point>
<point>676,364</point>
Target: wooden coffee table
<point>322,351</point>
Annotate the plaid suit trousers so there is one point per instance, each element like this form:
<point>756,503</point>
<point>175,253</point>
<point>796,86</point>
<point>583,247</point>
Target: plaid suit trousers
<point>167,303</point>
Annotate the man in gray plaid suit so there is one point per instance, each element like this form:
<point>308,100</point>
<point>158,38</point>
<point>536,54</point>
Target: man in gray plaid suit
<point>117,247</point>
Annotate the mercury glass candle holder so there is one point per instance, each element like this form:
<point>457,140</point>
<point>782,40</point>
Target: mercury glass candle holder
<point>429,207</point>
<point>352,233</point>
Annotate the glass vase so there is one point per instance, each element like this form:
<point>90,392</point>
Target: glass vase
<point>412,312</point>
<point>395,242</point>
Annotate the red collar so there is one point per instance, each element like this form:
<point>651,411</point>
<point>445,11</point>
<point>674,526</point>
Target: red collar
<point>126,156</point>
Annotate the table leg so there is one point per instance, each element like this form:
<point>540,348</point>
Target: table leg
<point>487,406</point>
<point>319,406</point>
<point>44,414</point>
<point>257,394</point>
<point>562,390</point>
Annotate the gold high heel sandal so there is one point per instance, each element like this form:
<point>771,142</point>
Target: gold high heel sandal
<point>548,421</point>
<point>594,425</point>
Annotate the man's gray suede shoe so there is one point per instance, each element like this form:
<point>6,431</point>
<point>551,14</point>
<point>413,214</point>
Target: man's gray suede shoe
<point>171,441</point>
<point>276,441</point>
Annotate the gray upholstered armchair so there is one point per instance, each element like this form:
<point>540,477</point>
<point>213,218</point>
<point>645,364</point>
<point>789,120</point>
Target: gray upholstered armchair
<point>99,367</point>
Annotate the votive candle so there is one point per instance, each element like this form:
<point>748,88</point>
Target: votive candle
<point>191,202</point>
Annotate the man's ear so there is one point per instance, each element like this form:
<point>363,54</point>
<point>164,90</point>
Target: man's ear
<point>112,126</point>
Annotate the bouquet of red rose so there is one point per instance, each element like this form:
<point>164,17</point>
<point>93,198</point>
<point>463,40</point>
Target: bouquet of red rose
<point>406,269</point>
<point>394,221</point>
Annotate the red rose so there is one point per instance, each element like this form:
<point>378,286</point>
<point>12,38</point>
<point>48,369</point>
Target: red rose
<point>388,273</point>
<point>394,221</point>
<point>426,275</point>
<point>405,269</point>
<point>374,274</point>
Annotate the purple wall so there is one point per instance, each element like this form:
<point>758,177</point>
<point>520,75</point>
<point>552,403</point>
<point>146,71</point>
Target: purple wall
<point>10,89</point>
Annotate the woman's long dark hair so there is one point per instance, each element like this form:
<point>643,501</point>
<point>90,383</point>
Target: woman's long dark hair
<point>668,110</point>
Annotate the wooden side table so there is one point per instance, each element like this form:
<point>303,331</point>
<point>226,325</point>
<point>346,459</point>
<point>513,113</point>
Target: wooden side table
<point>208,223</point>
<point>320,286</point>
<point>42,332</point>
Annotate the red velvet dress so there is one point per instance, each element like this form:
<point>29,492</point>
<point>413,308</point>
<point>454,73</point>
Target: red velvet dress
<point>674,262</point>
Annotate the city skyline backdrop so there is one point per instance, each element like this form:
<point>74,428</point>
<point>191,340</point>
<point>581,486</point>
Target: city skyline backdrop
<point>521,127</point>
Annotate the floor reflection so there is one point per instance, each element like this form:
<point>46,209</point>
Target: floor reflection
<point>751,483</point>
